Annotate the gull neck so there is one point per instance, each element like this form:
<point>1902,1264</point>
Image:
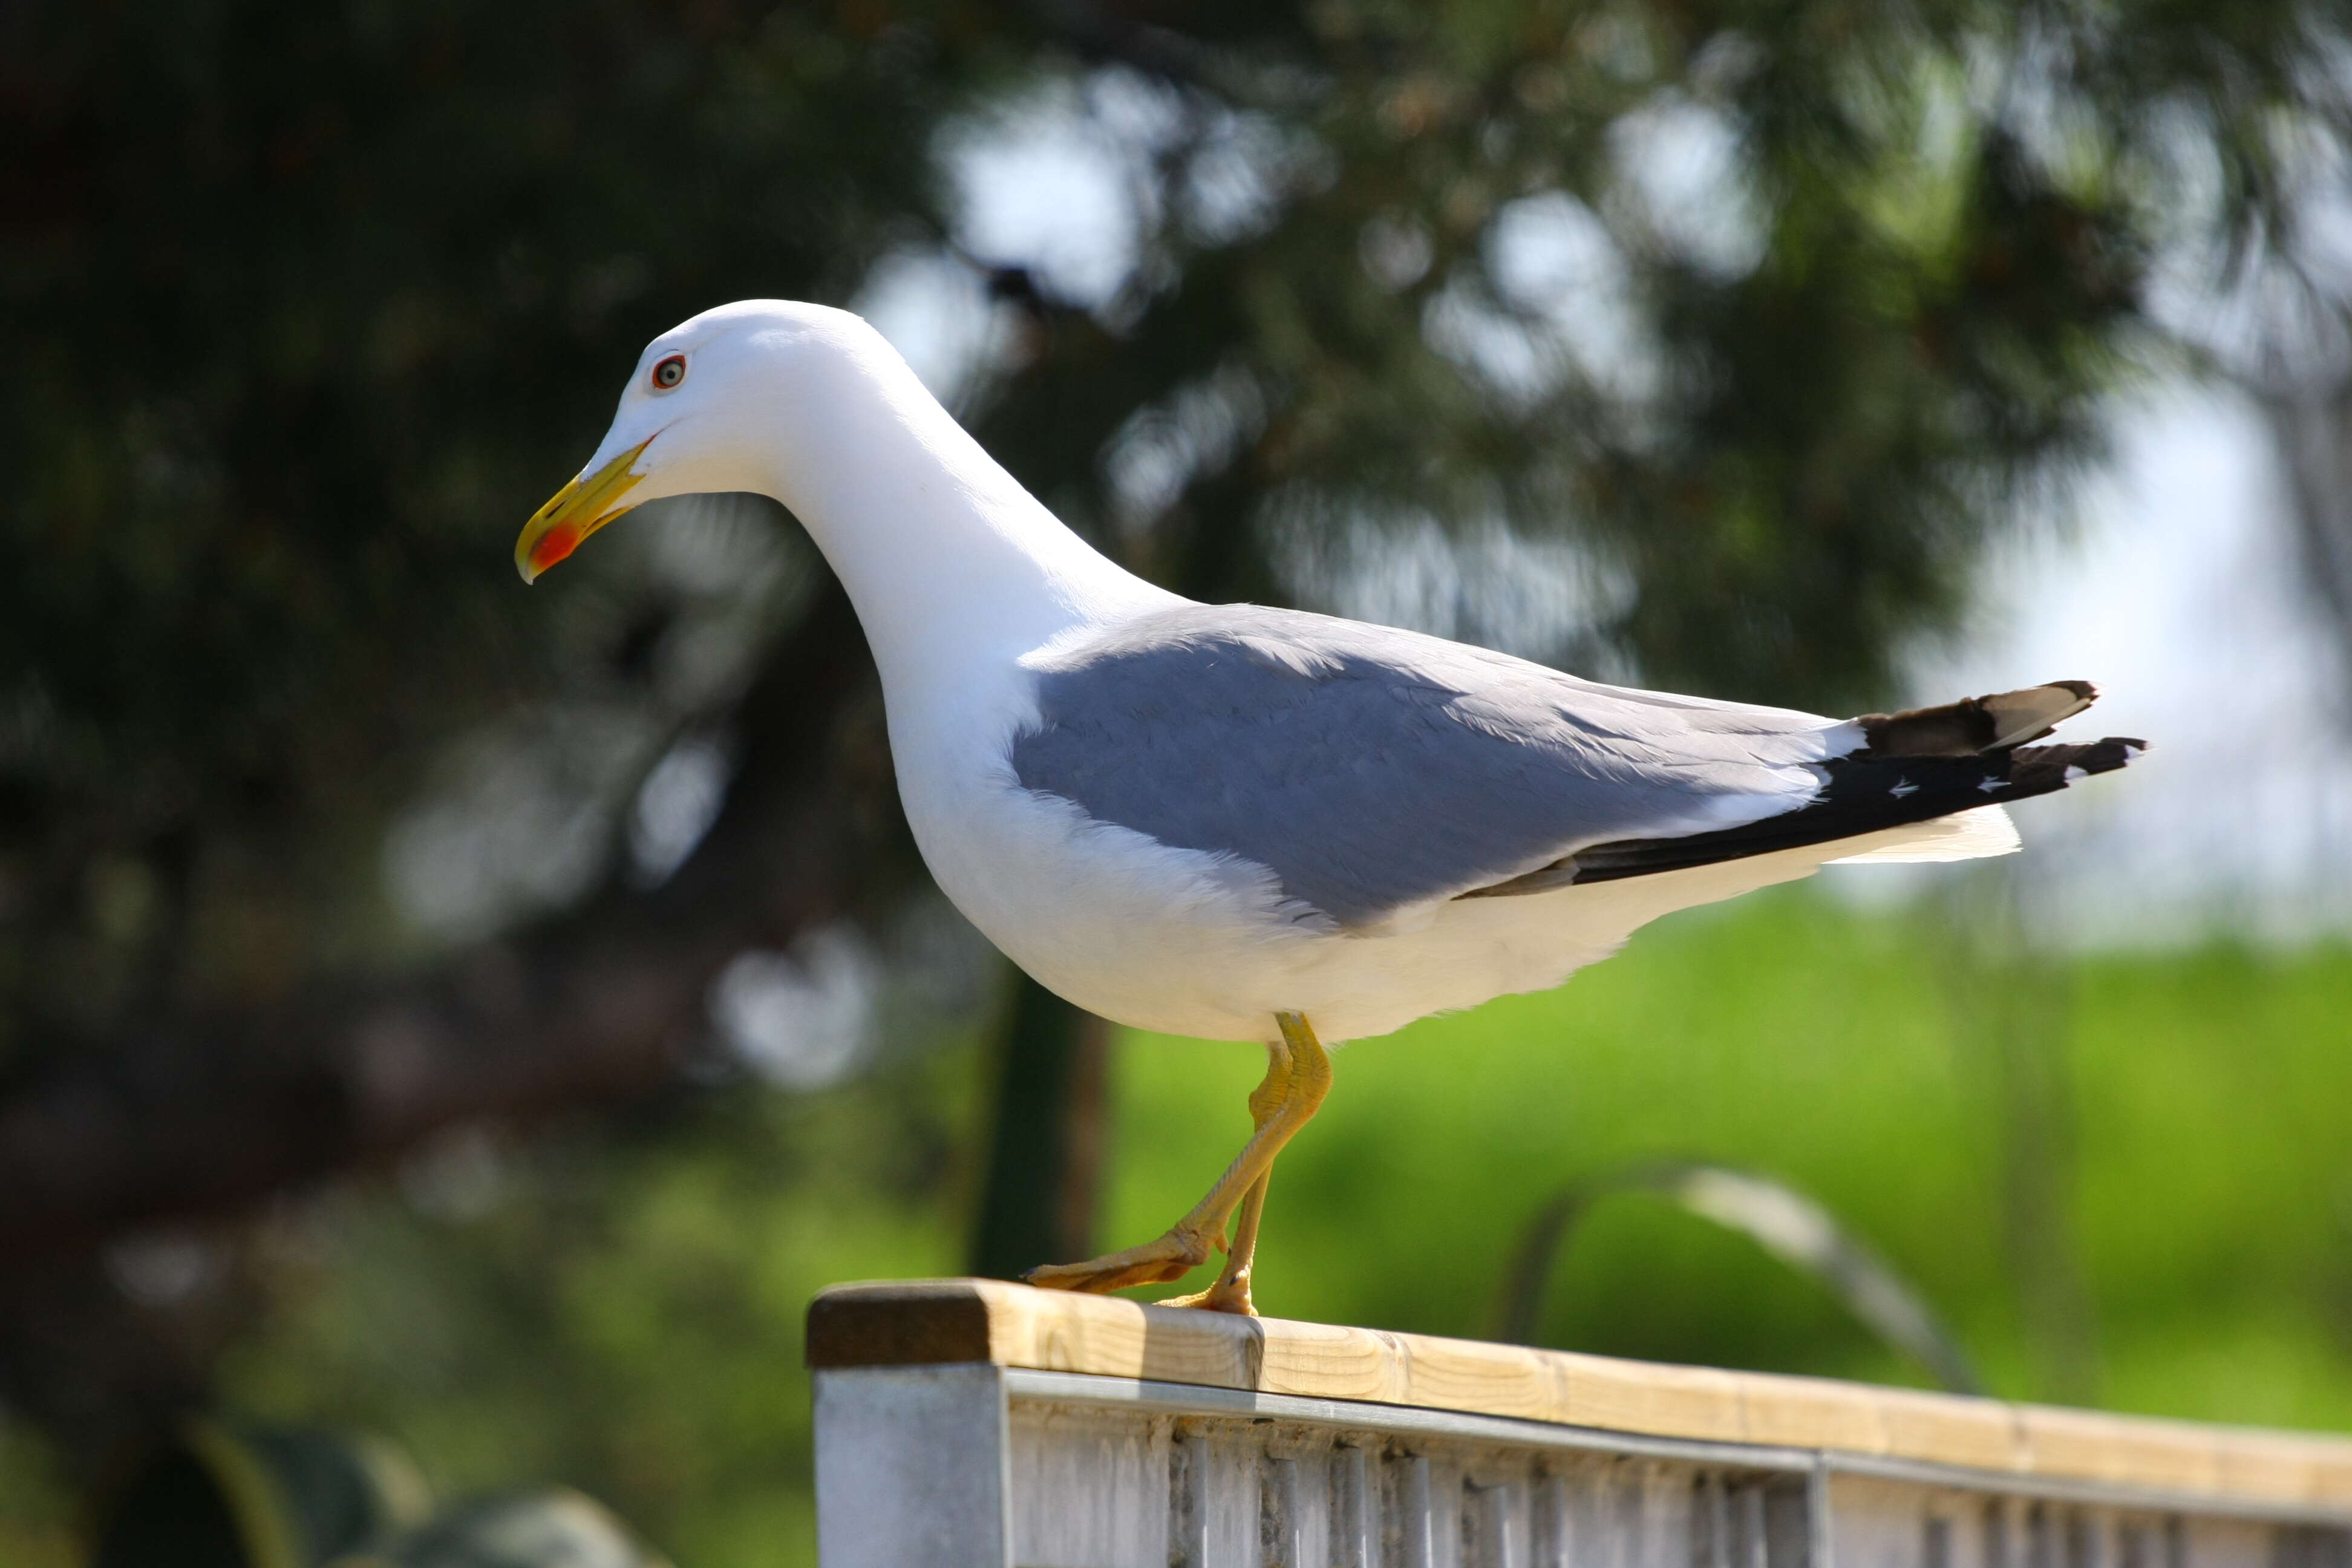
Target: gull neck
<point>946,557</point>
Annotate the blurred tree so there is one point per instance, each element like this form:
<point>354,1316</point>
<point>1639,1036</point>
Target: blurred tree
<point>307,304</point>
<point>1045,1157</point>
<point>1729,332</point>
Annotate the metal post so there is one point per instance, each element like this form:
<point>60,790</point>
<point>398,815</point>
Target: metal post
<point>913,1466</point>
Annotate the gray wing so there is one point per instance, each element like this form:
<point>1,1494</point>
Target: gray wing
<point>1372,769</point>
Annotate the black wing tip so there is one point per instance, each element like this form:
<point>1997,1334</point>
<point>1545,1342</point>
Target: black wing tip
<point>2042,768</point>
<point>1864,793</point>
<point>2114,751</point>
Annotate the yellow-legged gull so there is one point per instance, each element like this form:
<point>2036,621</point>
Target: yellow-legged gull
<point>1249,824</point>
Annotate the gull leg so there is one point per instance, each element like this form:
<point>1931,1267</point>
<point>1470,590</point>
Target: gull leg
<point>1231,1293</point>
<point>1298,1075</point>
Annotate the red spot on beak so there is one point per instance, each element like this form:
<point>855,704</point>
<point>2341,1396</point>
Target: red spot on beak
<point>558,542</point>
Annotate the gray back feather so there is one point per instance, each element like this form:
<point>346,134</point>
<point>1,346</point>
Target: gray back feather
<point>1370,768</point>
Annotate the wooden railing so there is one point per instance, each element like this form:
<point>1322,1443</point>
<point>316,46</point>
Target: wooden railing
<point>963,1423</point>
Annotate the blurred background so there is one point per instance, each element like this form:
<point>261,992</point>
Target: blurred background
<point>482,1017</point>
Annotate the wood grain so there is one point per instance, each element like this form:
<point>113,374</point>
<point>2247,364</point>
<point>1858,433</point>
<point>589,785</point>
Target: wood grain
<point>938,1322</point>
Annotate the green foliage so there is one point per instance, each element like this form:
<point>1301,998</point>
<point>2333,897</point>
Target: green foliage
<point>308,308</point>
<point>1786,1035</point>
<point>37,1523</point>
<point>1767,311</point>
<point>620,1310</point>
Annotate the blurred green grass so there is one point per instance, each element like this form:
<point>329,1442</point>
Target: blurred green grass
<point>2207,1093</point>
<point>621,1311</point>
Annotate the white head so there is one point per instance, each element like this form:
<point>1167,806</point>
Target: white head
<point>941,550</point>
<point>704,410</point>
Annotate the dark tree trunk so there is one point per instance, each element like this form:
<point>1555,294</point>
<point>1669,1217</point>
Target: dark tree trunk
<point>1045,1152</point>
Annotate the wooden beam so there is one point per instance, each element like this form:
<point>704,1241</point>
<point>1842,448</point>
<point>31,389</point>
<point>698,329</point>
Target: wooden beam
<point>939,1322</point>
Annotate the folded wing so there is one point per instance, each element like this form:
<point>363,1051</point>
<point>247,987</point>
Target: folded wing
<point>1372,769</point>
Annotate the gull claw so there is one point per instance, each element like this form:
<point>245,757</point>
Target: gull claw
<point>1224,1296</point>
<point>1159,1262</point>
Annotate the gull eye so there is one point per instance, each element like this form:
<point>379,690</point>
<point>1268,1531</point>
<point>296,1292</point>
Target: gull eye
<point>668,372</point>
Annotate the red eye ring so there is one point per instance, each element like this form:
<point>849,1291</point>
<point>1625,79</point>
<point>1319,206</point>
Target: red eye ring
<point>668,372</point>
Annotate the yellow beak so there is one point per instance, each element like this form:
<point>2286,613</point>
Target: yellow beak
<point>578,509</point>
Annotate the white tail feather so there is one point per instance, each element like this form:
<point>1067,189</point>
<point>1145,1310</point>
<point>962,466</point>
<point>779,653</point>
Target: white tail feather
<point>1963,836</point>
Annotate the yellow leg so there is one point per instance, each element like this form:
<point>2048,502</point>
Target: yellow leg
<point>1298,1075</point>
<point>1231,1293</point>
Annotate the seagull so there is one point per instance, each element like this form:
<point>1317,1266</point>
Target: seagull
<point>1235,822</point>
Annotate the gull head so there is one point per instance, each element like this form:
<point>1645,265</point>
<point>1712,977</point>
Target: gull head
<point>699,413</point>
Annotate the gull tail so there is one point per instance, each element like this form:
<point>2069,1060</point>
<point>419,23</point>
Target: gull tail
<point>1932,770</point>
